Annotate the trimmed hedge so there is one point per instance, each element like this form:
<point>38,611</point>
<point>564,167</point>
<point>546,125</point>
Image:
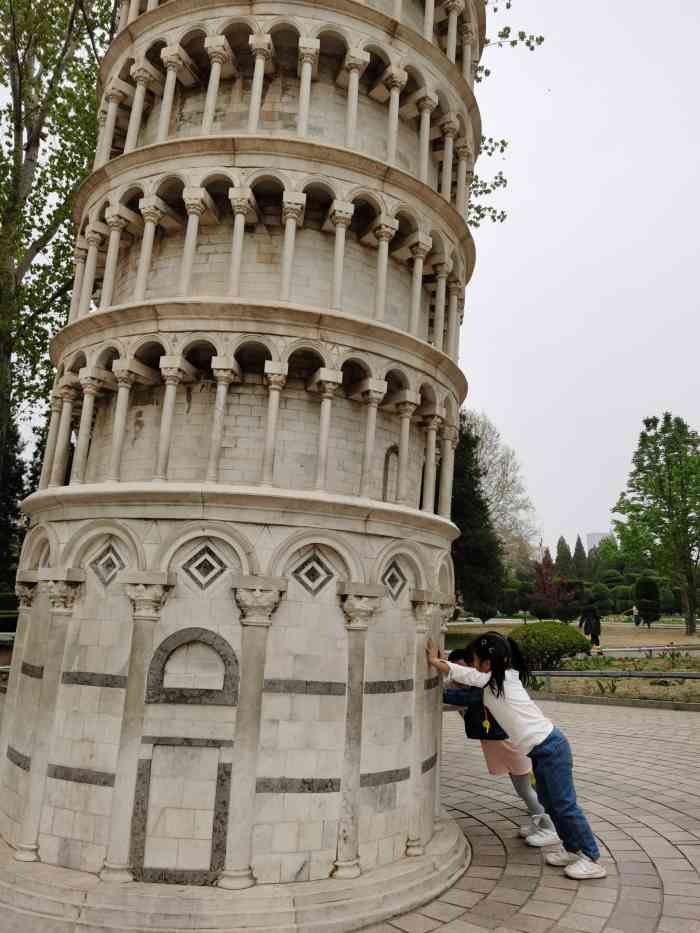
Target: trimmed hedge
<point>546,644</point>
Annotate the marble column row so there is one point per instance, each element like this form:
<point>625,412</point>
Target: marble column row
<point>176,370</point>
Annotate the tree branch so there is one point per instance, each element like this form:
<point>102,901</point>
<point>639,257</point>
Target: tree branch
<point>38,246</point>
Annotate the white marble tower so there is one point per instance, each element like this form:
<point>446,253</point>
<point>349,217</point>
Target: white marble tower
<point>243,529</point>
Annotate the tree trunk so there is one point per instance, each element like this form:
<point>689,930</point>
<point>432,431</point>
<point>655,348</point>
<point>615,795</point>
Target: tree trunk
<point>691,603</point>
<point>8,316</point>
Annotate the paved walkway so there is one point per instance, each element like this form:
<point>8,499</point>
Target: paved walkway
<point>638,779</point>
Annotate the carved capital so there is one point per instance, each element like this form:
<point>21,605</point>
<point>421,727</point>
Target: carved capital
<point>25,593</point>
<point>219,56</point>
<point>386,231</point>
<point>80,254</point>
<point>225,376</point>
<point>90,385</point>
<point>261,47</point>
<point>141,74</point>
<point>395,78</point>
<point>449,127</point>
<point>68,394</point>
<point>241,200</point>
<point>450,434</point>
<point>309,54</point>
<point>421,249</point>
<point>56,403</point>
<point>147,599</point>
<point>432,422</point>
<point>125,378</point>
<point>359,611</point>
<point>406,409</point>
<point>293,210</point>
<point>454,6</point>
<point>356,60</point>
<point>171,375</point>
<point>93,237</point>
<point>373,397</point>
<point>443,269</point>
<point>151,213</point>
<point>468,32</point>
<point>63,594</point>
<point>172,58</point>
<point>455,287</point>
<point>276,381</point>
<point>327,389</point>
<point>341,213</point>
<point>427,103</point>
<point>113,94</point>
<point>464,151</point>
<point>424,613</point>
<point>257,605</point>
<point>114,219</point>
<point>195,201</point>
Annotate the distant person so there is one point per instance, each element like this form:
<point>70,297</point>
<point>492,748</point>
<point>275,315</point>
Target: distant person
<point>636,618</point>
<point>500,755</point>
<point>590,623</point>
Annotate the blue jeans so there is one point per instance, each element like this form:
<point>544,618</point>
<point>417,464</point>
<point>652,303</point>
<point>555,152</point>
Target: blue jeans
<point>552,763</point>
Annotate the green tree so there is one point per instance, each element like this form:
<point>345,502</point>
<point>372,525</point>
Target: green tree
<point>648,599</point>
<point>579,560</point>
<point>12,491</point>
<point>48,72</point>
<point>477,554</point>
<point>563,562</point>
<point>660,509</point>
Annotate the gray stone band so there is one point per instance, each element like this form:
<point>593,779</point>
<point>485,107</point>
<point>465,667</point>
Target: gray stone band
<point>385,777</point>
<point>307,687</point>
<point>17,758</point>
<point>297,785</point>
<point>429,764</point>
<point>185,742</point>
<point>32,670</point>
<point>88,679</point>
<point>373,687</point>
<point>81,775</point>
<point>431,683</point>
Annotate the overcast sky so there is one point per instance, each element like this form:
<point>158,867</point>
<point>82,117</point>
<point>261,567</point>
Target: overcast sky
<point>582,316</point>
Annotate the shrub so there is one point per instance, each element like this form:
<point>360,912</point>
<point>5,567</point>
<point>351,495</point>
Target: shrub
<point>546,644</point>
<point>646,591</point>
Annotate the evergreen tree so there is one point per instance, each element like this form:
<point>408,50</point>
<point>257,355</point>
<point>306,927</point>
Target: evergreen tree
<point>477,553</point>
<point>579,560</point>
<point>563,563</point>
<point>12,490</point>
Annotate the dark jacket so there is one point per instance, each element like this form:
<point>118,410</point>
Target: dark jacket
<point>590,622</point>
<point>472,699</point>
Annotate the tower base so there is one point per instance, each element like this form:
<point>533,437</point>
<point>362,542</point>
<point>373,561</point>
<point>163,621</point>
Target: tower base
<point>38,898</point>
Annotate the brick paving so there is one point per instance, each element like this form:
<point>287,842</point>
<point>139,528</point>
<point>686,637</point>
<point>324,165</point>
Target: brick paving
<point>637,779</point>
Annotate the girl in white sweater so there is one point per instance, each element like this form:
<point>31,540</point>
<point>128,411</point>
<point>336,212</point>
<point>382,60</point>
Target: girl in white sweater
<point>497,662</point>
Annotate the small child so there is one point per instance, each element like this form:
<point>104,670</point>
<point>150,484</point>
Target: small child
<point>501,756</point>
<point>497,661</point>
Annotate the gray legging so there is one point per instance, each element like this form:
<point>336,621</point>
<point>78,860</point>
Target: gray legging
<point>524,789</point>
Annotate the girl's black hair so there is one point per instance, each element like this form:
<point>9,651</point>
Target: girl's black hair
<point>503,653</point>
<point>465,654</point>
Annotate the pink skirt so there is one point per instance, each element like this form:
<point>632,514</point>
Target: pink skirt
<point>503,758</point>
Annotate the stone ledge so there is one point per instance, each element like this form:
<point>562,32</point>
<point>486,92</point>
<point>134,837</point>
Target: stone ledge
<point>617,701</point>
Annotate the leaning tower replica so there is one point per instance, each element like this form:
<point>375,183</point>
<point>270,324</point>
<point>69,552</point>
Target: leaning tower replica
<point>219,714</point>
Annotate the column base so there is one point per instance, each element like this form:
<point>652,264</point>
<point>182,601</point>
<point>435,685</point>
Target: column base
<point>116,874</point>
<point>25,853</point>
<point>414,848</point>
<point>236,879</point>
<point>347,870</point>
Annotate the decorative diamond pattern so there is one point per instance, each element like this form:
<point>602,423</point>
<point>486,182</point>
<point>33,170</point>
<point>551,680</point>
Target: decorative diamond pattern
<point>204,567</point>
<point>313,574</point>
<point>394,580</point>
<point>107,564</point>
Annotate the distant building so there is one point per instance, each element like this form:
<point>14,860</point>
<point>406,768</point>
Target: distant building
<point>593,538</point>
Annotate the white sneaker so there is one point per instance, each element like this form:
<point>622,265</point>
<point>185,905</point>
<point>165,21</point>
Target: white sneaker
<point>561,858</point>
<point>584,868</point>
<point>543,837</point>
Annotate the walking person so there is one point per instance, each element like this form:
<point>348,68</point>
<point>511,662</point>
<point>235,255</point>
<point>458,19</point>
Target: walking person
<point>590,622</point>
<point>636,618</point>
<point>499,666</point>
<point>500,754</point>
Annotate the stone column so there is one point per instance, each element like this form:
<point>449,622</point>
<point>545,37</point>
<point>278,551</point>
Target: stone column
<point>195,203</point>
<point>141,76</point>
<point>152,216</point>
<point>340,216</point>
<point>309,50</point>
<point>173,370</point>
<point>134,9</point>
<point>398,9</point>
<point>261,47</point>
<point>80,258</point>
<point>394,80</point>
<point>25,590</point>
<point>94,240</point>
<point>51,439</point>
<point>454,9</point>
<point>360,604</point>
<point>422,612</point>
<point>405,410</point>
<point>355,64</point>
<point>219,53</point>
<point>442,271</point>
<point>117,225</point>
<point>62,596</point>
<point>372,399</point>
<point>293,206</point>
<point>68,396</point>
<point>429,21</point>
<point>275,382</point>
<point>242,205</point>
<point>123,15</point>
<point>384,232</point>
<point>90,387</point>
<point>455,289</point>
<point>431,425</point>
<point>465,158</point>
<point>448,445</point>
<point>113,98</point>
<point>224,376</point>
<point>449,128</point>
<point>426,105</point>
<point>468,35</point>
<point>101,123</point>
<point>172,60</point>
<point>420,249</point>
<point>444,614</point>
<point>257,599</point>
<point>147,593</point>
<point>125,380</point>
<point>328,390</point>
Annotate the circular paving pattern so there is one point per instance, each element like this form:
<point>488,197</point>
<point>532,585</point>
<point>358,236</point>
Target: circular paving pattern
<point>637,780</point>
